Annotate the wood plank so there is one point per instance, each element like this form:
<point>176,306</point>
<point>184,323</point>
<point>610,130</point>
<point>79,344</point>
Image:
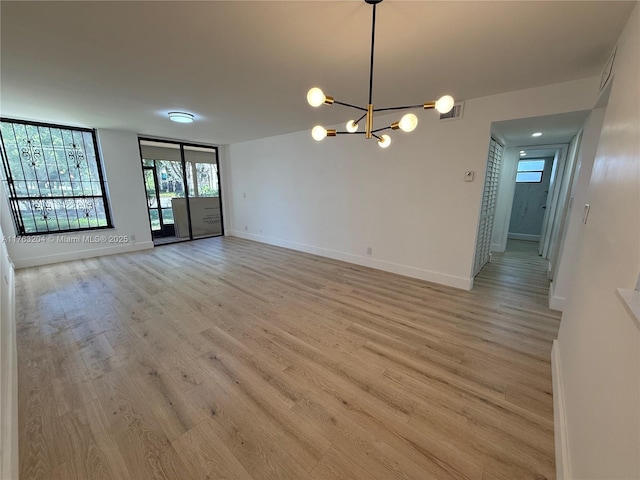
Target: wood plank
<point>204,453</point>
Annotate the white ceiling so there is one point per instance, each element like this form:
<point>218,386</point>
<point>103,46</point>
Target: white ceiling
<point>243,68</point>
<point>555,129</point>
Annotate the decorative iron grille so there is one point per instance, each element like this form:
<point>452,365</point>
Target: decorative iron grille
<point>54,178</point>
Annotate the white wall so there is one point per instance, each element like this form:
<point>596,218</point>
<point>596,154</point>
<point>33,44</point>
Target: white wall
<point>598,343</point>
<point>8,370</point>
<point>409,203</point>
<point>567,262</point>
<point>121,158</point>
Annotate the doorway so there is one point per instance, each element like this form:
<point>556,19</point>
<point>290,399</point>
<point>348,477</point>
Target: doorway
<point>530,198</point>
<point>163,182</point>
<point>182,184</point>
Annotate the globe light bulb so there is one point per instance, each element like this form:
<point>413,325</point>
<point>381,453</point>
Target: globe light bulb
<point>408,122</point>
<point>445,104</point>
<point>315,97</point>
<point>352,126</point>
<point>385,141</point>
<point>318,133</point>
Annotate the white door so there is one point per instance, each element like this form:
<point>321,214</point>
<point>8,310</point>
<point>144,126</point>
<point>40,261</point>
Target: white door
<point>488,208</point>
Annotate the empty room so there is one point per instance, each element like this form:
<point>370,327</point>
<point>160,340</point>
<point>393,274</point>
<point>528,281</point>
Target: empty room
<point>323,240</point>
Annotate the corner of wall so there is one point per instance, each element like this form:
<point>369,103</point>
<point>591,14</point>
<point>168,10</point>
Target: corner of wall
<point>225,185</point>
<point>8,370</point>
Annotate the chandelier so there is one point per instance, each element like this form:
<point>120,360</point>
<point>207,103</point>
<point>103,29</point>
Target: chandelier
<point>407,123</point>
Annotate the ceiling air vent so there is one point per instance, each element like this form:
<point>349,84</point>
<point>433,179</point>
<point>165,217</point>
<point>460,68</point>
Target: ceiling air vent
<point>455,113</point>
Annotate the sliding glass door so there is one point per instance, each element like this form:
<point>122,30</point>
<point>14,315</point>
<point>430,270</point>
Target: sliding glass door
<point>177,213</point>
<point>163,181</point>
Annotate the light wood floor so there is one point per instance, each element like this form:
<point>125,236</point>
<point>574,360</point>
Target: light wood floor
<point>228,359</point>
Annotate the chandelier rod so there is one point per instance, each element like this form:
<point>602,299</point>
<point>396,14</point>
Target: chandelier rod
<point>349,105</point>
<point>373,40</point>
<point>406,107</point>
<point>359,119</point>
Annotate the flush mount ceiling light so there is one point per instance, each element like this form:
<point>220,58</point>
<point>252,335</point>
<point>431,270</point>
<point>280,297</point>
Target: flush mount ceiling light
<point>537,134</point>
<point>407,123</point>
<point>181,117</point>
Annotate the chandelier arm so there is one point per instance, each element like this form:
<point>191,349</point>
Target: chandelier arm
<point>376,136</point>
<point>349,133</point>
<point>336,102</point>
<point>380,129</point>
<point>406,107</point>
<point>360,119</point>
<point>373,38</point>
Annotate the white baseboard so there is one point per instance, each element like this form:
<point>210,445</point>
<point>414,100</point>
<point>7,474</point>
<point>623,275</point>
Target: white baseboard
<point>427,275</point>
<point>498,247</point>
<point>524,236</point>
<point>79,255</point>
<point>8,373</point>
<point>563,466</point>
<point>555,302</point>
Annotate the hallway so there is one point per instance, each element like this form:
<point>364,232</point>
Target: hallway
<point>520,273</point>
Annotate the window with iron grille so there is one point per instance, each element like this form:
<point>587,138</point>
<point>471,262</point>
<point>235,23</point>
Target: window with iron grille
<point>53,177</point>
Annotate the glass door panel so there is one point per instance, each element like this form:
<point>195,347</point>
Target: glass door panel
<point>170,187</point>
<point>162,167</point>
<point>152,199</point>
<point>154,216</point>
<point>204,192</point>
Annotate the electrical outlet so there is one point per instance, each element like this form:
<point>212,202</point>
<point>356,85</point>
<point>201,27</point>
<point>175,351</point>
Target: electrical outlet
<point>246,228</point>
<point>369,250</point>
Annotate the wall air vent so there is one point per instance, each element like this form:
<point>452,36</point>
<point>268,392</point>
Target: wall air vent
<point>455,113</point>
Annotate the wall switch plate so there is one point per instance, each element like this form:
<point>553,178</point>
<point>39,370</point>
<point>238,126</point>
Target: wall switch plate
<point>585,215</point>
<point>468,176</point>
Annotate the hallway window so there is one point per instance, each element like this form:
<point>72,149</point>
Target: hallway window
<point>530,171</point>
<point>53,178</point>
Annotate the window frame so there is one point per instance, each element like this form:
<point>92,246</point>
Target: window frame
<point>13,198</point>
<point>541,172</point>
